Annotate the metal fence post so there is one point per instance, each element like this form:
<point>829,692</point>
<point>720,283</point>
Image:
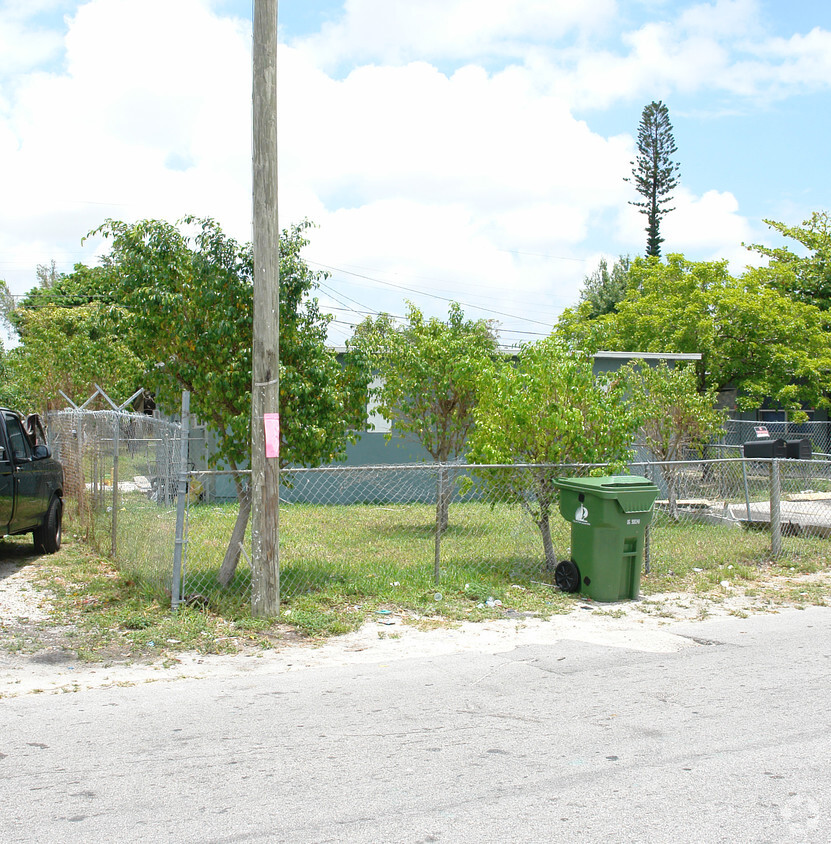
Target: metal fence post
<point>775,510</point>
<point>166,479</point>
<point>181,500</point>
<point>97,488</point>
<point>647,533</point>
<point>439,500</point>
<point>116,446</point>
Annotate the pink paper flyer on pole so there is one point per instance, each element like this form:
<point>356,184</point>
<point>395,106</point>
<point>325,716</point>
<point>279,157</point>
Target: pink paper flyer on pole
<point>272,434</point>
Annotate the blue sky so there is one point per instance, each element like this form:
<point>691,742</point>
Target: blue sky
<point>472,150</point>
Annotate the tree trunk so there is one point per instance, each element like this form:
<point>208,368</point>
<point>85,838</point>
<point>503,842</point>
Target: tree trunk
<point>229,564</point>
<point>548,546</point>
<point>546,494</point>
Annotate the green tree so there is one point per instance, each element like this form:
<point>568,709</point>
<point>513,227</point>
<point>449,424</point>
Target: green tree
<point>83,286</point>
<point>11,394</point>
<point>47,274</point>
<point>546,409</point>
<point>743,329</point>
<point>70,340</point>
<point>188,293</point>
<point>675,417</point>
<point>7,306</point>
<point>806,277</point>
<point>72,350</point>
<point>604,288</point>
<point>54,287</point>
<point>654,173</point>
<point>427,386</point>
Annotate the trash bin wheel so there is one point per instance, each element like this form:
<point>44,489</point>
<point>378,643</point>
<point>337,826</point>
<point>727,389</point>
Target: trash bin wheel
<point>567,576</point>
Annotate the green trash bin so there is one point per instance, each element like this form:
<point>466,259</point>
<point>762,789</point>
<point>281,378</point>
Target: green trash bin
<point>608,516</point>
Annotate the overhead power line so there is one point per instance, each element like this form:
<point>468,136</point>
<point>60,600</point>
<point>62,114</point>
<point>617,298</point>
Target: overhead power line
<point>423,293</point>
<point>335,294</point>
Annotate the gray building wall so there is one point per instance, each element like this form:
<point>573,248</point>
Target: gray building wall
<point>375,449</point>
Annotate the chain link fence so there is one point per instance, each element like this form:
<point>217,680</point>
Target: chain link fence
<point>120,486</point>
<point>818,433</point>
<point>355,527</point>
<point>356,530</point>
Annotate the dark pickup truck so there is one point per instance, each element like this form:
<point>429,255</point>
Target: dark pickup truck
<point>31,482</point>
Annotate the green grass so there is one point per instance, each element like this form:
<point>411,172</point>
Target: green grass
<point>340,565</point>
<point>697,557</point>
<point>372,557</point>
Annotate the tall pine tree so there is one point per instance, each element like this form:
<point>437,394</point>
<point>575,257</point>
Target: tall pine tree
<point>654,173</point>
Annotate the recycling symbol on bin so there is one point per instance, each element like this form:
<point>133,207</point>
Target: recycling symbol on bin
<point>582,514</point>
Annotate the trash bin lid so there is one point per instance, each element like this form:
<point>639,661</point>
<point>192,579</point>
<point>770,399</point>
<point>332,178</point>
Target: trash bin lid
<point>630,482</point>
<point>610,484</point>
<point>633,493</point>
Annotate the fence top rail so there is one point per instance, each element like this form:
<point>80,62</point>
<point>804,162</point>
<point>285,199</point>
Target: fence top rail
<point>123,414</point>
<point>78,418</point>
<point>404,467</point>
<point>730,460</point>
<point>421,467</point>
<point>199,472</point>
<point>768,422</point>
<point>107,411</point>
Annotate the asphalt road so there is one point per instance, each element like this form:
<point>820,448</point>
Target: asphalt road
<point>724,739</point>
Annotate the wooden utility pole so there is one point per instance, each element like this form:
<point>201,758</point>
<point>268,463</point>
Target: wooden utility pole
<point>265,393</point>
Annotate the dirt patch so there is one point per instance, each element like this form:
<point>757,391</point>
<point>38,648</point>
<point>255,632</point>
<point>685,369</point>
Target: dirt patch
<point>23,608</point>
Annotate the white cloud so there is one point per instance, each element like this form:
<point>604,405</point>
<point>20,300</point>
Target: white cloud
<point>806,59</point>
<point>722,19</point>
<point>25,9</point>
<point>710,47</point>
<point>703,224</point>
<point>489,141</point>
<point>473,180</point>
<point>446,157</point>
<point>587,53</point>
<point>708,226</point>
<point>27,43</point>
<point>439,251</point>
<point>154,124</point>
<point>22,48</point>
<point>379,31</point>
<point>179,67</point>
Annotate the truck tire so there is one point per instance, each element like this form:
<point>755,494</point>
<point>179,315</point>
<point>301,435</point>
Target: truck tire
<point>48,536</point>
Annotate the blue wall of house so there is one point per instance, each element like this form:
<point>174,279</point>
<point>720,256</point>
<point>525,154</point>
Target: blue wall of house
<point>338,487</point>
<point>375,449</point>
